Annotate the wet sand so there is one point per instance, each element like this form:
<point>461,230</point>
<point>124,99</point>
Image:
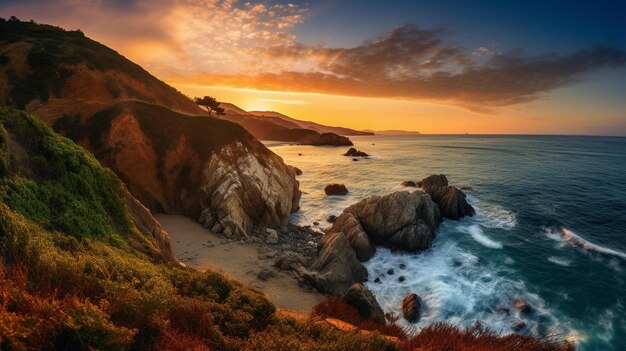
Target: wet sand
<point>201,249</point>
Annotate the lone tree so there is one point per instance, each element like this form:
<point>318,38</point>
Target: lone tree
<point>211,104</point>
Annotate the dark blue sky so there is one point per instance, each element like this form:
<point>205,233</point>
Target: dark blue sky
<point>536,26</point>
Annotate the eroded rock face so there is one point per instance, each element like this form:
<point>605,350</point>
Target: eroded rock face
<point>337,268</point>
<point>401,221</point>
<point>229,189</point>
<point>241,189</point>
<point>451,201</point>
<point>364,301</point>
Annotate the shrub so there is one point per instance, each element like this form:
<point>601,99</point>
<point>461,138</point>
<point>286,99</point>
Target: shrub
<point>336,307</point>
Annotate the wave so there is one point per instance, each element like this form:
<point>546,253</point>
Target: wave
<point>478,235</point>
<point>457,287</point>
<point>491,216</point>
<point>573,239</point>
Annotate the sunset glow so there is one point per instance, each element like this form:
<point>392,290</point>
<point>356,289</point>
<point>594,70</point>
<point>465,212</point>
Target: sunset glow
<point>404,72</point>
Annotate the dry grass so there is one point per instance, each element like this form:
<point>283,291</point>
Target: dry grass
<point>335,307</point>
<point>441,336</point>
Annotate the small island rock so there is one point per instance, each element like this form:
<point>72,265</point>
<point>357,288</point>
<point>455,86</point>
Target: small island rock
<point>336,189</point>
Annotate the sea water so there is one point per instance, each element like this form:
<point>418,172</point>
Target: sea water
<point>550,228</point>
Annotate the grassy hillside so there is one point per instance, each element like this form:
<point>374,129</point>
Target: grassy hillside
<point>76,274</point>
<point>41,62</point>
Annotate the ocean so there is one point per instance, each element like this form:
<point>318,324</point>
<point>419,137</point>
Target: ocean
<point>550,228</point>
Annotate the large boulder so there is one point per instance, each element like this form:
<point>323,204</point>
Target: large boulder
<point>336,189</point>
<point>451,201</point>
<point>401,221</point>
<point>411,307</point>
<point>365,303</point>
<point>337,268</point>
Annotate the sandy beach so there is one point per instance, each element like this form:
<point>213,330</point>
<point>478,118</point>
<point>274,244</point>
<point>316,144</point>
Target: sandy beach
<point>201,249</point>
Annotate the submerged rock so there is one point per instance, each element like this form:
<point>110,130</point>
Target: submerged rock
<point>523,306</point>
<point>401,221</point>
<point>336,189</point>
<point>411,307</point>
<point>337,268</point>
<point>451,201</point>
<point>364,301</point>
<point>408,183</point>
<point>352,152</point>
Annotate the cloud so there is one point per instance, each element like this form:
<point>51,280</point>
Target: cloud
<point>249,44</point>
<point>412,63</point>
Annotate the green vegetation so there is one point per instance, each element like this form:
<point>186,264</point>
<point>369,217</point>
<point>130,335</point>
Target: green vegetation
<point>61,187</point>
<point>66,285</point>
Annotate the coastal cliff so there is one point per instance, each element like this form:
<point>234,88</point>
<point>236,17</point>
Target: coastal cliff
<point>172,158</point>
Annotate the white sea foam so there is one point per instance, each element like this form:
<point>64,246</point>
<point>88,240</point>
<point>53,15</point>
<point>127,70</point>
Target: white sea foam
<point>560,261</point>
<point>455,286</point>
<point>493,216</point>
<point>477,234</point>
<point>573,239</point>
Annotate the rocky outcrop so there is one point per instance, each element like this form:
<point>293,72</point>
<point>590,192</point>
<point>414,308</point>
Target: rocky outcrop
<point>229,183</point>
<point>365,303</point>
<point>411,307</point>
<point>337,268</point>
<point>249,189</point>
<point>408,183</point>
<point>336,189</point>
<point>264,128</point>
<point>352,152</point>
<point>451,201</point>
<point>401,221</point>
<point>333,140</point>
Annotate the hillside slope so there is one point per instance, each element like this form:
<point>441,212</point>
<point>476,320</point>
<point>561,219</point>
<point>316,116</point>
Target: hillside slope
<point>76,273</point>
<point>320,128</point>
<point>172,160</point>
<point>268,129</point>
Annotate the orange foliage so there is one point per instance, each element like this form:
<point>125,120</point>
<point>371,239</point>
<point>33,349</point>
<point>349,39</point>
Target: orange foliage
<point>335,307</point>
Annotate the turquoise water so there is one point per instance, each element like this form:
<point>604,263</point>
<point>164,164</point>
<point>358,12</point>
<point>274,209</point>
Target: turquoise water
<point>550,228</point>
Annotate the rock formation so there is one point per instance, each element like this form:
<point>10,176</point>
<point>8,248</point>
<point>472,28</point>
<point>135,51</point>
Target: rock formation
<point>336,189</point>
<point>408,183</point>
<point>365,303</point>
<point>411,307</point>
<point>352,152</point>
<point>401,221</point>
<point>337,268</point>
<point>451,201</point>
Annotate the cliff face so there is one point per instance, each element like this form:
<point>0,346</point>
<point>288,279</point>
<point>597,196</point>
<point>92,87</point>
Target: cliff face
<point>171,159</point>
<point>209,169</point>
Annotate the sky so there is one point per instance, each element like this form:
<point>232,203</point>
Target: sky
<point>480,67</point>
